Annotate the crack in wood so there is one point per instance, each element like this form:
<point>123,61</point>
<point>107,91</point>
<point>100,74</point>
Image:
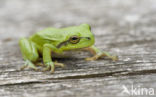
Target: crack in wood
<point>142,72</point>
<point>21,83</point>
<point>128,43</point>
<point>117,74</point>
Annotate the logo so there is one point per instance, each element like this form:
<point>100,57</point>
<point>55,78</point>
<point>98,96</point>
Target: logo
<point>137,90</point>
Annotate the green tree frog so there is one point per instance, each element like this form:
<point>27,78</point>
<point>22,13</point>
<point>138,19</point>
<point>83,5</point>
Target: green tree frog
<point>56,40</point>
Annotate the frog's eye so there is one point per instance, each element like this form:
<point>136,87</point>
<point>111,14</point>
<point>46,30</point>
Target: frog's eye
<point>74,39</point>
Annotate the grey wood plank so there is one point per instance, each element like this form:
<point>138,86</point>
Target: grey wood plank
<point>125,28</point>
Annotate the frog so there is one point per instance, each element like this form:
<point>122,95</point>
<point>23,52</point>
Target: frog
<point>58,40</point>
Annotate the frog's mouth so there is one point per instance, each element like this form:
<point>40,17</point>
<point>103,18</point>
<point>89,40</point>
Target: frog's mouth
<point>64,43</point>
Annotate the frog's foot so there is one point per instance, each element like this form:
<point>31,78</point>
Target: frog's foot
<point>29,64</point>
<point>114,58</point>
<point>92,58</point>
<point>49,66</point>
<point>95,57</point>
<point>59,64</point>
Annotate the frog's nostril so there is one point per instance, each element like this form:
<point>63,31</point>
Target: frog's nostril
<point>88,38</point>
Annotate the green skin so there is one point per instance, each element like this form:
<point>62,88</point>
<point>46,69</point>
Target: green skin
<point>57,41</point>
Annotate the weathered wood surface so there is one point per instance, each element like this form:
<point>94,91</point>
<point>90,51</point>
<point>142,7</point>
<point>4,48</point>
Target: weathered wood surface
<point>126,28</point>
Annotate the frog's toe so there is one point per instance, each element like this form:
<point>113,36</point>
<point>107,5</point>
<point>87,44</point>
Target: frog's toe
<point>23,67</point>
<point>29,64</point>
<point>114,58</point>
<point>39,64</point>
<point>49,66</point>
<point>92,58</point>
<point>46,69</point>
<point>52,70</point>
<point>59,64</point>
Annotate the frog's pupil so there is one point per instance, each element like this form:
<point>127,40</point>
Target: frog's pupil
<point>74,38</point>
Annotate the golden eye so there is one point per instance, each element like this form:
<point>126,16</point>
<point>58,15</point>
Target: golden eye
<point>74,39</point>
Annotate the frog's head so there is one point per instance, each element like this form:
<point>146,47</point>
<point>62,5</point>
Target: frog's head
<point>77,37</point>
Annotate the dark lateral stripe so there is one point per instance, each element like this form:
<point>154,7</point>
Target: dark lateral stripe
<point>62,44</point>
<point>67,41</point>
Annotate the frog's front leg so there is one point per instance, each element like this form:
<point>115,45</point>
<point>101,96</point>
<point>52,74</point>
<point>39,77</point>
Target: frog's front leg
<point>47,49</point>
<point>98,54</point>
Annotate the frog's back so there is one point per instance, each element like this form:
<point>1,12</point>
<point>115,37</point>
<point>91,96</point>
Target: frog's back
<point>48,35</point>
